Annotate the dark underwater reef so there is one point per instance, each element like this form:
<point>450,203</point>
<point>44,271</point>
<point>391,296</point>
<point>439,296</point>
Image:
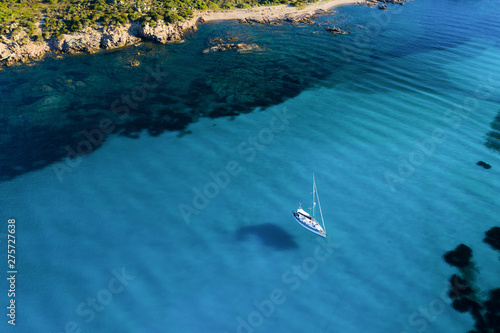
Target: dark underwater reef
<point>60,116</point>
<point>493,137</point>
<point>466,295</point>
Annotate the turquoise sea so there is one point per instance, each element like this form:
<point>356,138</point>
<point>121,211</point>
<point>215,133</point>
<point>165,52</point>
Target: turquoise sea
<point>158,198</point>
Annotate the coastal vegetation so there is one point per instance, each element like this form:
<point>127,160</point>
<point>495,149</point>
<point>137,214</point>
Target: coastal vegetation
<point>44,19</point>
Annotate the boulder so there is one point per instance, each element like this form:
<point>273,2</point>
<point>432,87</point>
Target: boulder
<point>335,30</point>
<point>11,52</point>
<point>119,36</point>
<point>164,33</point>
<point>306,18</point>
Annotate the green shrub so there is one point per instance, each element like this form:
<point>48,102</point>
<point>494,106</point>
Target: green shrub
<point>64,16</point>
<point>299,4</point>
<point>123,19</point>
<point>31,28</point>
<point>172,18</point>
<point>133,16</point>
<point>201,6</point>
<point>185,13</point>
<point>155,16</point>
<point>16,31</point>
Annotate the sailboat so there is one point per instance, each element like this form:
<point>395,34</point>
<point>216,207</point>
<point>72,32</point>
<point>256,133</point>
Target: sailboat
<point>308,221</point>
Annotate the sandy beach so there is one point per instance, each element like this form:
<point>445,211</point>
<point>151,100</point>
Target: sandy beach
<point>272,12</point>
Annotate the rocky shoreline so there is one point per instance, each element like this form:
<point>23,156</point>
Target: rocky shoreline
<point>92,40</point>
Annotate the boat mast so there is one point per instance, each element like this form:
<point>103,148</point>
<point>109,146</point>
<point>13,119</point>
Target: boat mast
<point>314,188</point>
<point>319,204</point>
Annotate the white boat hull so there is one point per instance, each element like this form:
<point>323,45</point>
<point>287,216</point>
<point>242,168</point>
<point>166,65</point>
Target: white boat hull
<point>308,222</point>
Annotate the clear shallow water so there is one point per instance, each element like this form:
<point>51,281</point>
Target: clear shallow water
<point>358,105</point>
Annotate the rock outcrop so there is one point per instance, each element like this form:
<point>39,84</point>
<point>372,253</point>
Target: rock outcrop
<point>335,30</point>
<point>298,18</point>
<point>21,48</point>
<point>11,52</point>
<point>164,33</point>
<point>120,36</point>
<point>381,3</point>
<point>240,47</point>
<point>91,40</point>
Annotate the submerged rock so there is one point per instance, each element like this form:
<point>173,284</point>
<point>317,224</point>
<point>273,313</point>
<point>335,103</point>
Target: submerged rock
<point>460,257</point>
<point>465,304</point>
<point>484,164</point>
<point>459,287</point>
<point>493,237</point>
<point>466,297</point>
<point>217,40</point>
<point>493,310</point>
<point>240,47</point>
<point>335,30</point>
<point>493,137</point>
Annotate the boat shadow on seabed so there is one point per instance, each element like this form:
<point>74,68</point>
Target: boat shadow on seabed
<point>270,235</point>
